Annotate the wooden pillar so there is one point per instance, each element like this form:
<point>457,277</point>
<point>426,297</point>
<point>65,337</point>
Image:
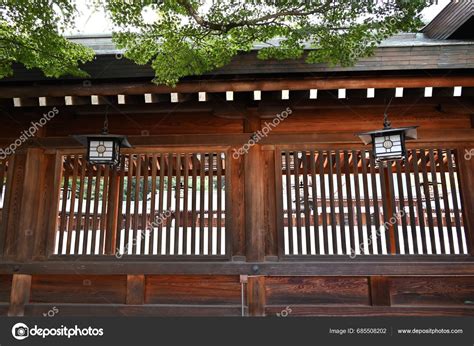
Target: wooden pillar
<point>49,190</point>
<point>23,224</point>
<point>235,221</point>
<point>135,289</point>
<point>256,295</point>
<point>270,196</point>
<point>20,294</point>
<point>255,204</point>
<point>466,181</point>
<point>379,288</point>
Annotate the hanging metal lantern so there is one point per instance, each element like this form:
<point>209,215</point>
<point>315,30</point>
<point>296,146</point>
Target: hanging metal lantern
<point>103,148</point>
<point>389,143</point>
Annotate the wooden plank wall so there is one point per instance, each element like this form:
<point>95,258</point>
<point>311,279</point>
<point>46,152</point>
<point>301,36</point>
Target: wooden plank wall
<point>254,239</point>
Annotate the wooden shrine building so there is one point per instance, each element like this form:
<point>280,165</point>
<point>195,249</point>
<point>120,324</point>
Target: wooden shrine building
<point>246,190</point>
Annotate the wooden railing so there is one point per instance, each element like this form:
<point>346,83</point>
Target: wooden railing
<point>339,202</point>
<point>166,203</point>
<point>278,203</point>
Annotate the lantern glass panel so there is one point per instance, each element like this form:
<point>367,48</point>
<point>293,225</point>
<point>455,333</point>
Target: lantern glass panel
<point>388,146</point>
<point>103,151</point>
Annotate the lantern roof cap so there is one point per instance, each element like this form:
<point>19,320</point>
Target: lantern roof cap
<point>410,133</point>
<point>124,143</point>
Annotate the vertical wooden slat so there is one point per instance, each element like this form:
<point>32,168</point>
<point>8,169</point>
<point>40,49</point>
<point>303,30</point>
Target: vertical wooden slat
<point>194,204</point>
<point>136,210</point>
<point>299,233</point>
<point>419,203</point>
<point>426,191</point>
<point>401,201</point>
<point>202,186</point>
<point>128,204</point>
<point>161,202</point>
<point>177,203</point>
<point>96,208</point>
<point>454,195</point>
<point>386,208</point>
<point>154,163</point>
<point>439,217</point>
<point>72,205</point>
<point>280,197</point>
<point>377,242</point>
<point>350,210</point>
<point>447,209</point>
<point>307,211</point>
<point>80,205</point>
<point>340,194</point>
<point>63,220</point>
<point>360,231</point>
<point>145,229</point>
<point>219,203</point>
<point>103,216</point>
<point>332,203</point>
<point>366,187</point>
<point>392,217</point>
<point>322,181</point>
<point>289,204</point>
<point>411,203</point>
<point>315,200</point>
<point>169,193</point>
<point>210,203</point>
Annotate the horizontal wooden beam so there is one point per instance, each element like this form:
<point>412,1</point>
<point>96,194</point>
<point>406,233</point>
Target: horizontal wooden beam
<point>450,266</point>
<point>322,83</point>
<point>167,310</point>
<point>344,310</point>
<point>425,136</point>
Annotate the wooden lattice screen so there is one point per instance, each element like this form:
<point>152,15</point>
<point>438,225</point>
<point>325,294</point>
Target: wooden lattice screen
<point>165,204</point>
<point>338,202</point>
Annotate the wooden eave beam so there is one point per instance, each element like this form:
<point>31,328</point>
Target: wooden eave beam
<point>236,86</point>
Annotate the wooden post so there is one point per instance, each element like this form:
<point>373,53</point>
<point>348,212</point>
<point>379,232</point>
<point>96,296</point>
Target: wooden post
<point>49,189</point>
<point>255,204</point>
<point>20,294</point>
<point>23,219</point>
<point>270,204</point>
<point>256,295</point>
<point>379,288</point>
<point>135,289</point>
<point>466,181</point>
<point>235,216</point>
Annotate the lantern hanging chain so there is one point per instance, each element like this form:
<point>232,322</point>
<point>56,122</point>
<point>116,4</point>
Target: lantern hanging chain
<point>105,130</point>
<point>386,123</point>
